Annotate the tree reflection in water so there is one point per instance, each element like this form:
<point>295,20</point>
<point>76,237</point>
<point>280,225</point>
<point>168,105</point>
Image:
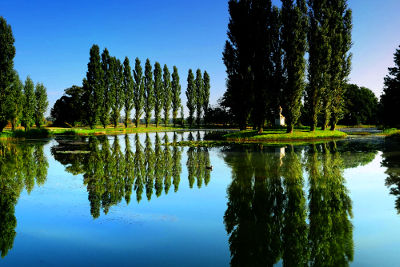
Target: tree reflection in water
<point>269,218</point>
<point>22,165</point>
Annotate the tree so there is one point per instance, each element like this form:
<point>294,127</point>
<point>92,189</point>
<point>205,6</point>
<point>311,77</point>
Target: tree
<point>340,39</point>
<point>67,110</point>
<point>29,100</point>
<point>158,93</point>
<point>15,100</point>
<point>93,87</point>
<point>176,94</point>
<point>7,54</point>
<point>294,28</point>
<point>191,96</point>
<point>390,99</point>
<point>41,103</point>
<point>128,91</point>
<point>107,81</point>
<point>182,117</point>
<point>199,95</point>
<point>167,99</point>
<point>116,90</point>
<point>149,92</point>
<point>138,91</point>
<point>206,93</point>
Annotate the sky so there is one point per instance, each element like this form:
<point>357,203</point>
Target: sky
<point>53,38</point>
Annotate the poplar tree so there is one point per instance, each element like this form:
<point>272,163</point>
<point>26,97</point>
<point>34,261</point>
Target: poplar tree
<point>149,92</point>
<point>116,92</point>
<point>158,93</point>
<point>138,91</point>
<point>199,95</point>
<point>206,93</point>
<point>93,87</point>
<point>191,96</point>
<point>294,28</point>
<point>167,94</point>
<point>107,81</point>
<point>182,117</point>
<point>29,102</point>
<point>7,54</point>
<point>16,100</point>
<point>176,94</point>
<point>340,65</point>
<point>41,103</point>
<point>128,91</point>
<point>318,62</point>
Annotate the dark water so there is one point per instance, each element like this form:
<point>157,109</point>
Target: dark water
<point>132,201</point>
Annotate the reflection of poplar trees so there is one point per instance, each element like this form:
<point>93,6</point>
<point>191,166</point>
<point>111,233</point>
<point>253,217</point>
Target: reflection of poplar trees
<point>176,166</point>
<point>197,163</point>
<point>129,173</point>
<point>20,166</point>
<point>159,166</point>
<point>167,164</point>
<point>140,168</point>
<point>149,163</point>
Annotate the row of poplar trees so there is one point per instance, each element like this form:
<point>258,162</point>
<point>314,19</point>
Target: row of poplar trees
<point>265,58</point>
<point>110,88</point>
<point>19,102</point>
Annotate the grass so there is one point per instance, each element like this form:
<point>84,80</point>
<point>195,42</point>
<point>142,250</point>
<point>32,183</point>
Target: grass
<point>393,132</point>
<point>30,134</point>
<point>275,135</point>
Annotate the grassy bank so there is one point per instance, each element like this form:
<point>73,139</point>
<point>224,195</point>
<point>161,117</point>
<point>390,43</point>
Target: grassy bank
<point>278,135</point>
<point>47,132</point>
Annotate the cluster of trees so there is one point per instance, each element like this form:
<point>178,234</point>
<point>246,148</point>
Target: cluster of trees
<point>266,66</point>
<point>21,167</point>
<point>112,174</point>
<point>19,103</point>
<point>390,99</point>
<point>111,87</point>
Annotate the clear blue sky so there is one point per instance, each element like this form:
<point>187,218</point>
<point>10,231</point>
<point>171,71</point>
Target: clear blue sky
<point>53,38</point>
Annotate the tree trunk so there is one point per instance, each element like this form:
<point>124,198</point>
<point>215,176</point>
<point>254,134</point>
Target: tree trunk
<point>312,128</point>
<point>13,124</point>
<point>333,126</point>
<point>289,128</point>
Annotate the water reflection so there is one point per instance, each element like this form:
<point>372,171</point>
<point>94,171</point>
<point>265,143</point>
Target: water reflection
<point>391,160</point>
<point>111,173</point>
<point>289,205</point>
<point>21,167</point>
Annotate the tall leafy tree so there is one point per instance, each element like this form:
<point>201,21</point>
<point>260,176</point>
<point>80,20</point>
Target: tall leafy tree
<point>138,91</point>
<point>15,100</point>
<point>191,96</point>
<point>128,91</point>
<point>199,95</point>
<point>116,92</point>
<point>167,93</point>
<point>340,28</point>
<point>176,94</point>
<point>29,100</point>
<point>41,103</point>
<point>7,54</point>
<point>158,93</point>
<point>68,109</point>
<point>294,20</point>
<point>206,93</point>
<point>107,82</point>
<point>182,116</point>
<point>390,99</point>
<point>318,62</point>
<point>149,92</point>
<point>93,87</point>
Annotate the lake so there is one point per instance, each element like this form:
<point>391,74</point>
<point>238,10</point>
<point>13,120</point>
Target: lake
<point>133,201</point>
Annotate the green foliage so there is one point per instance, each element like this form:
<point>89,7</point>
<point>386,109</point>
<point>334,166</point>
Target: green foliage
<point>390,99</point>
<point>294,21</point>
<point>176,94</point>
<point>149,92</point>
<point>41,103</point>
<point>199,95</point>
<point>206,93</point>
<point>16,100</point>
<point>191,96</point>
<point>116,90</point>
<point>29,100</point>
<point>128,92</point>
<point>106,89</point>
<point>138,92</point>
<point>158,93</point>
<point>93,87</point>
<point>68,109</point>
<point>7,74</point>
<point>167,99</point>
<point>182,117</point>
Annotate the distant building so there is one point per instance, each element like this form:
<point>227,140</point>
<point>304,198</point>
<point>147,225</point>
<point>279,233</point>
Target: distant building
<point>280,119</point>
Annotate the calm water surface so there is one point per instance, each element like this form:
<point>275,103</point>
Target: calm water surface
<point>132,201</point>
